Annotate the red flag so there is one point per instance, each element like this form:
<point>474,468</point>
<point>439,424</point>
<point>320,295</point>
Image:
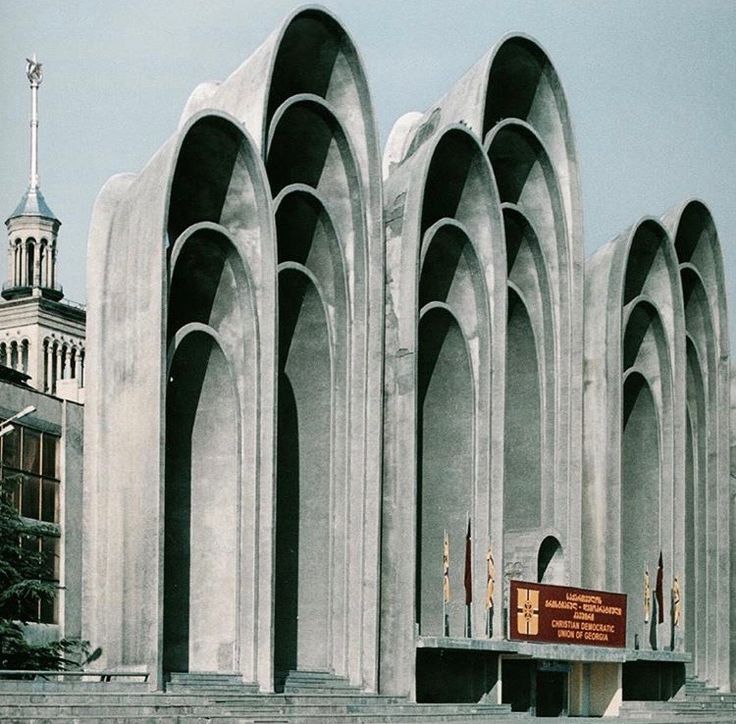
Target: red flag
<point>468,570</point>
<point>659,590</point>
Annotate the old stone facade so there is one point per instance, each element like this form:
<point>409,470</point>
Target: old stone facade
<point>311,365</point>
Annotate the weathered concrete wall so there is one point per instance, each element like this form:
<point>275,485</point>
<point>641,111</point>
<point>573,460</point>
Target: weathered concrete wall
<point>296,390</point>
<point>149,231</point>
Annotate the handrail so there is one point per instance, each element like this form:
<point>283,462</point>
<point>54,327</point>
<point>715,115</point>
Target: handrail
<point>45,674</point>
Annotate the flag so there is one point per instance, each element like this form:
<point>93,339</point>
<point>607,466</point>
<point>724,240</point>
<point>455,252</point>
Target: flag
<point>490,578</point>
<point>647,596</point>
<point>659,590</point>
<point>468,571</point>
<point>446,569</point>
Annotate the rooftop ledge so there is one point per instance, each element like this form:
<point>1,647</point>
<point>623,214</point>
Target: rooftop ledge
<point>564,652</point>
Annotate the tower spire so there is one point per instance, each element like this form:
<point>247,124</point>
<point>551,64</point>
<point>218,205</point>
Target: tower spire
<point>35,76</point>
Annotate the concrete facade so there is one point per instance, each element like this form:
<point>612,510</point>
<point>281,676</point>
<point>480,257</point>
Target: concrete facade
<point>308,372</point>
<point>62,422</point>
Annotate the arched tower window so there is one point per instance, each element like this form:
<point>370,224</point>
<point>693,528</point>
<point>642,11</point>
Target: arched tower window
<point>30,261</point>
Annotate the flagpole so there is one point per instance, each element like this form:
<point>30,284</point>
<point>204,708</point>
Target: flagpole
<point>468,580</point>
<point>445,583</point>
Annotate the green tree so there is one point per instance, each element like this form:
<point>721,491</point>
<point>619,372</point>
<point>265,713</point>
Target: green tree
<point>24,581</point>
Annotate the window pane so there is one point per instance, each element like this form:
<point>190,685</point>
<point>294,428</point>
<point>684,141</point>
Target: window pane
<point>49,501</point>
<point>11,448</point>
<point>11,485</point>
<point>50,549</point>
<point>50,456</point>
<point>31,451</point>
<point>48,611</point>
<point>31,497</point>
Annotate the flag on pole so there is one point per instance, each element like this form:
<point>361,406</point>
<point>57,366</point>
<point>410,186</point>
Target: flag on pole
<point>490,585</point>
<point>647,596</point>
<point>468,583</point>
<point>490,578</point>
<point>468,569</point>
<point>659,590</point>
<point>446,569</point>
<point>445,584</point>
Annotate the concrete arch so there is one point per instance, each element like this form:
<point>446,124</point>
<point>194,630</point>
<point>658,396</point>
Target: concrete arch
<point>703,286</point>
<point>445,445</point>
<point>202,485</point>
<point>308,536</point>
<point>528,184</point>
<point>136,223</point>
<point>443,251</point>
<point>634,325</point>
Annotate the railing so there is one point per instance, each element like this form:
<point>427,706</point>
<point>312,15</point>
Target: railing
<point>75,305</point>
<point>13,285</point>
<point>102,675</point>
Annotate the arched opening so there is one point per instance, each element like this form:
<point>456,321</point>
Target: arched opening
<point>640,499</point>
<point>550,562</point>
<point>697,560</point>
<point>201,497</point>
<point>30,256</point>
<point>523,429</point>
<point>304,521</point>
<point>445,432</point>
<point>24,350</point>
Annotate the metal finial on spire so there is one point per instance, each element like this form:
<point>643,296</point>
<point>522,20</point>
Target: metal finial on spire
<point>34,74</point>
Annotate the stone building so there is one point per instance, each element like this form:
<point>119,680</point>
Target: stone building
<point>41,334</point>
<point>42,368</point>
<point>312,366</point>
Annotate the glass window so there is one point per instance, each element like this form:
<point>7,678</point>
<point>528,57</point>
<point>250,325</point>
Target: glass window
<point>50,457</point>
<point>50,501</point>
<point>31,451</point>
<point>30,506</point>
<point>11,448</point>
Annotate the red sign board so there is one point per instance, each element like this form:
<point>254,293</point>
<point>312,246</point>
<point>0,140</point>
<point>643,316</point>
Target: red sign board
<point>564,615</point>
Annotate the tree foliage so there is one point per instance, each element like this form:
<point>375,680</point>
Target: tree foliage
<point>24,581</point>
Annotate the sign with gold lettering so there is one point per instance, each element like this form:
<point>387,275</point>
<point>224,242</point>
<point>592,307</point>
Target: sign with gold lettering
<point>565,615</point>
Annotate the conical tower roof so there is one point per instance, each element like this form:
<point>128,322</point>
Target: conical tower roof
<point>33,203</point>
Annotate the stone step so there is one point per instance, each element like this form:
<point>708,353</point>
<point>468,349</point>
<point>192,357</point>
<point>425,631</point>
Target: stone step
<point>328,710</point>
<point>103,698</point>
<point>313,697</point>
<point>56,709</point>
<point>147,719</point>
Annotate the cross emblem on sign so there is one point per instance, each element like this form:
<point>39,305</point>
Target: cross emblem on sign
<point>527,611</point>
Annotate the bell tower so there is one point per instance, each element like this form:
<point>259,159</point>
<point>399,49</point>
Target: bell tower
<point>32,228</point>
<point>41,333</point>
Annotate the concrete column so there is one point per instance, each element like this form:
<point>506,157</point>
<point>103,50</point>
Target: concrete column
<point>47,357</point>
<point>58,368</point>
<point>37,264</point>
<point>20,279</point>
<point>11,267</point>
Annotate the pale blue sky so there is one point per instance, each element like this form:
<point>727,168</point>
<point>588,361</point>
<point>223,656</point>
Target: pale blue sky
<point>651,88</point>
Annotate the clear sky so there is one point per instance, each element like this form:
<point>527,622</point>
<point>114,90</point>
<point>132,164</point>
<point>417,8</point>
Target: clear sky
<point>651,88</point>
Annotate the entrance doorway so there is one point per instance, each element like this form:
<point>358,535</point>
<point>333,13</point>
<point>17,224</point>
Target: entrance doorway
<point>536,687</point>
<point>551,693</point>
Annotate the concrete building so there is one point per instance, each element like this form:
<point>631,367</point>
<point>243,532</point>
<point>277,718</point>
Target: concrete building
<point>309,374</point>
<point>41,333</point>
<point>43,457</point>
<point>42,366</point>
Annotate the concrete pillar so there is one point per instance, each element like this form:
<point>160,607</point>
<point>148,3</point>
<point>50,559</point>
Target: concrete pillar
<point>37,264</point>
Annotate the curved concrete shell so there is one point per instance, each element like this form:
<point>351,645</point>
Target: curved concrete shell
<point>445,329</point>
<point>220,275</point>
<point>281,229</point>
<point>513,100</point>
<point>633,480</point>
<point>706,526</point>
<point>357,421</point>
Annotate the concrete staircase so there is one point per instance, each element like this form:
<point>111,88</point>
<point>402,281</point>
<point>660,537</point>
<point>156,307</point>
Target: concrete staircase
<point>217,699</point>
<point>695,702</point>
